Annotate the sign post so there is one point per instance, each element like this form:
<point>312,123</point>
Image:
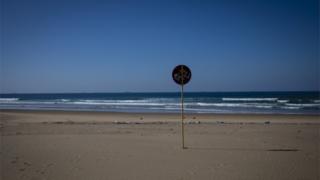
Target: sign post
<point>181,74</point>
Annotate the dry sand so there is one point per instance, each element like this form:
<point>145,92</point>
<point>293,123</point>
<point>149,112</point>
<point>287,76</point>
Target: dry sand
<point>57,145</point>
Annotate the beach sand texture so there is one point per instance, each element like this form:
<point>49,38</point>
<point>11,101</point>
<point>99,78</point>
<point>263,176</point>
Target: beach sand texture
<point>60,145</point>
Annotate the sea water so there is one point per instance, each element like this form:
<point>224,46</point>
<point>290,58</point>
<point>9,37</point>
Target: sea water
<point>195,102</point>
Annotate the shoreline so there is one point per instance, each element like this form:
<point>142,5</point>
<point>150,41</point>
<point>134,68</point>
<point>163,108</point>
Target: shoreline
<point>153,113</point>
<point>128,117</point>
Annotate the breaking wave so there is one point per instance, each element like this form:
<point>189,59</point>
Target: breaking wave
<point>200,103</point>
<point>249,99</point>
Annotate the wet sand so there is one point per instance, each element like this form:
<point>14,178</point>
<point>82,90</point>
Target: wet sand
<point>96,145</point>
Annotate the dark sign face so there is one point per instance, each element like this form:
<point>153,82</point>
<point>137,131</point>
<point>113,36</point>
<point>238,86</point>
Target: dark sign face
<point>181,74</point>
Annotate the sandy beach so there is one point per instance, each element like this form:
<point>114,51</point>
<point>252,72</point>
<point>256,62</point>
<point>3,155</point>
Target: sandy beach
<point>98,145</point>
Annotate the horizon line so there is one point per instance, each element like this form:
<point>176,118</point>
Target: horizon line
<point>318,91</point>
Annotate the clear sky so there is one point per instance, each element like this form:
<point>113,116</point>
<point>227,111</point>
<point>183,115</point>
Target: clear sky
<point>132,46</point>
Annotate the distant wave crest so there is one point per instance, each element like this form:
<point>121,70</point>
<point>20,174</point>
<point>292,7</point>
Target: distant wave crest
<point>249,99</point>
<point>203,103</point>
<point>8,99</point>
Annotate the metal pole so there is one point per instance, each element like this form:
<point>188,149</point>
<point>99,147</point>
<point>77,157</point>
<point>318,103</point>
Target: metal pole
<point>182,113</point>
<point>182,118</point>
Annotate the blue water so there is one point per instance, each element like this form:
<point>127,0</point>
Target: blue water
<point>195,102</point>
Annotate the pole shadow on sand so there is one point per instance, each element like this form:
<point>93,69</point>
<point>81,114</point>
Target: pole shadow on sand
<point>242,149</point>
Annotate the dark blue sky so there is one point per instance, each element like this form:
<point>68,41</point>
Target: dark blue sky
<point>117,46</point>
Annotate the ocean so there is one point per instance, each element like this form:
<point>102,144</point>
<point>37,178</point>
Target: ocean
<point>195,102</point>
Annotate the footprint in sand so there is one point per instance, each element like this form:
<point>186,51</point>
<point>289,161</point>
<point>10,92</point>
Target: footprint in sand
<point>45,168</point>
<point>27,164</point>
<point>15,160</point>
<point>22,169</point>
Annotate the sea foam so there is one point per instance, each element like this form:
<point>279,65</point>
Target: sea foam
<point>9,99</point>
<point>249,99</point>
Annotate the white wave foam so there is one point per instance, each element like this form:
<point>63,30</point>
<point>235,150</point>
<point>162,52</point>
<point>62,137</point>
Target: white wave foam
<point>282,101</point>
<point>64,100</point>
<point>254,105</point>
<point>28,102</point>
<point>161,99</point>
<point>117,103</point>
<point>222,104</point>
<point>8,99</point>
<point>87,102</point>
<point>302,105</point>
<point>316,101</point>
<point>249,99</point>
<point>287,107</point>
<point>263,106</point>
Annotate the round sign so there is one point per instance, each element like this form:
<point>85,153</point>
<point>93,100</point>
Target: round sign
<point>181,74</point>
